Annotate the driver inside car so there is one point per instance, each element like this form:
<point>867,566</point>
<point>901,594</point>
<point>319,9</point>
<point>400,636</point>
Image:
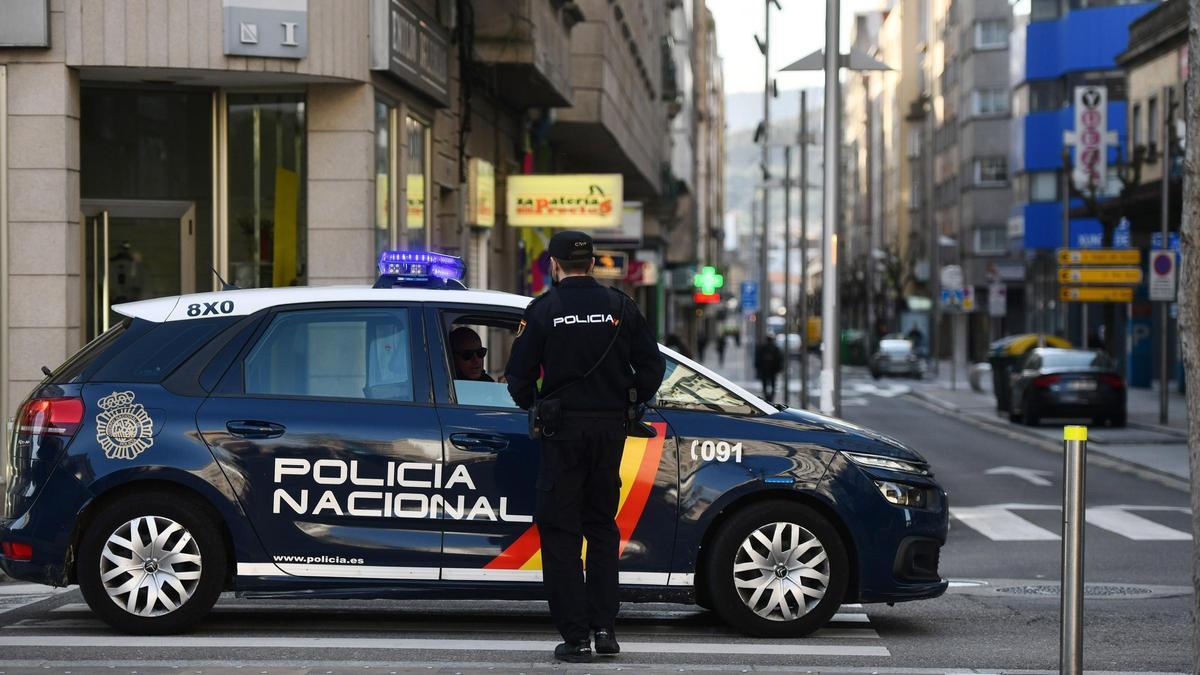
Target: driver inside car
<point>468,353</point>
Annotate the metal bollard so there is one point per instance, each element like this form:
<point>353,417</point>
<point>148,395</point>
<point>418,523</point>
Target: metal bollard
<point>1070,650</point>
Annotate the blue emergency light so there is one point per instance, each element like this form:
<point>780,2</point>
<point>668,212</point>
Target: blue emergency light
<point>420,268</point>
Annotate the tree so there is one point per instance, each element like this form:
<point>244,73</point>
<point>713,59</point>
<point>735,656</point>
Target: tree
<point>1189,298</point>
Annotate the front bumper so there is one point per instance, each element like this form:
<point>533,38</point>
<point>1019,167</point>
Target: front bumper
<point>897,549</point>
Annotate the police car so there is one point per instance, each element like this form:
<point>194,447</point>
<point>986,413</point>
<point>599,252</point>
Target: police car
<point>322,442</point>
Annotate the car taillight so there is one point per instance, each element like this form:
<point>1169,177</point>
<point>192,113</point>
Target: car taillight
<point>1045,381</point>
<point>1113,381</point>
<point>50,417</point>
<point>15,551</point>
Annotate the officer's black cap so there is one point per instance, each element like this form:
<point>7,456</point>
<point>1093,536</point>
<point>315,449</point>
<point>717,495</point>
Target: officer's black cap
<point>571,245</point>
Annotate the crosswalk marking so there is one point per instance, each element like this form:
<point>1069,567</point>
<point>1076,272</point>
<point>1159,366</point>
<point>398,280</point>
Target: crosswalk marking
<point>999,522</point>
<point>1133,526</point>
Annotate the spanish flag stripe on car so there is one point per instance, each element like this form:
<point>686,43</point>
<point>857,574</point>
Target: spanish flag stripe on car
<point>639,466</point>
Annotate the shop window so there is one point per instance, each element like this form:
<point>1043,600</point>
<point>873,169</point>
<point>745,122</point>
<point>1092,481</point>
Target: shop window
<point>417,183</point>
<point>267,239</point>
<point>1135,125</point>
<point>1152,121</point>
<point>384,214</point>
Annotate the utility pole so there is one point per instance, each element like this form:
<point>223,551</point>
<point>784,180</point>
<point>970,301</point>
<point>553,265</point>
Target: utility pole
<point>803,248</point>
<point>831,403</point>
<point>764,288</point>
<point>1163,319</point>
<point>787,274</point>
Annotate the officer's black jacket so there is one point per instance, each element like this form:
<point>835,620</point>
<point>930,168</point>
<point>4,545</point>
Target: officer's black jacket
<point>566,330</point>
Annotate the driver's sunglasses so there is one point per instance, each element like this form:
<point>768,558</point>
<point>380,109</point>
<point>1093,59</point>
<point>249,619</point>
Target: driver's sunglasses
<point>466,354</point>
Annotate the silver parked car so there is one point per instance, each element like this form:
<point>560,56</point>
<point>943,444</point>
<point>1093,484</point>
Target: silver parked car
<point>896,357</point>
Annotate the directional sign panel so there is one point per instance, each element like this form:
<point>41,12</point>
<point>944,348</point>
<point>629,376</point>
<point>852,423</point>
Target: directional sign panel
<point>1101,275</point>
<point>1095,294</point>
<point>1099,256</point>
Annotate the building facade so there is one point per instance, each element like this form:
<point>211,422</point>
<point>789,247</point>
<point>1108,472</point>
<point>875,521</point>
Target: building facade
<point>157,148</point>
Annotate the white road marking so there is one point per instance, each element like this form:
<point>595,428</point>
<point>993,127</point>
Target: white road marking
<point>741,647</point>
<point>1000,524</point>
<point>1132,526</point>
<point>1032,475</point>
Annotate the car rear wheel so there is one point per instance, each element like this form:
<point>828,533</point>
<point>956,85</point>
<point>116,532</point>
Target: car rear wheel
<point>777,569</point>
<point>151,564</point>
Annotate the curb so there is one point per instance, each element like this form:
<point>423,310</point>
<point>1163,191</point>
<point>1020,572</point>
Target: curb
<point>1096,456</point>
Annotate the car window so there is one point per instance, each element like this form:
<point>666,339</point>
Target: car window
<point>334,353</point>
<point>684,388</point>
<point>1077,359</point>
<point>476,355</point>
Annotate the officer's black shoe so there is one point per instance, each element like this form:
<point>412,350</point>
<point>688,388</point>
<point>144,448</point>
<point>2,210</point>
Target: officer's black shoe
<point>606,643</point>
<point>574,652</point>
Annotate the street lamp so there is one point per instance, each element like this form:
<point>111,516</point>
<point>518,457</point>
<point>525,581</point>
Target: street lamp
<point>831,60</point>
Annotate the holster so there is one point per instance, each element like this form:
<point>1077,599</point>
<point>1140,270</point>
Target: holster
<point>545,418</point>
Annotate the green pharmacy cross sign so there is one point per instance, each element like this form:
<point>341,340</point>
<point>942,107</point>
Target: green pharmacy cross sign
<point>708,281</point>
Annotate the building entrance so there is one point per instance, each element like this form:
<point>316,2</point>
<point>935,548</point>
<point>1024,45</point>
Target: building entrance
<point>135,250</point>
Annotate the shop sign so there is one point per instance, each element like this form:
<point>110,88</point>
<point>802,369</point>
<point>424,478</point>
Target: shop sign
<point>610,265</point>
<point>629,233</point>
<point>481,193</point>
<point>276,29</point>
<point>415,189</point>
<point>569,200</point>
<point>26,23</point>
<point>412,47</point>
<point>1091,137</point>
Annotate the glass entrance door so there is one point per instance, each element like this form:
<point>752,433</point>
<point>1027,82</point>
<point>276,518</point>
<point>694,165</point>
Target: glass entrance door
<point>135,250</point>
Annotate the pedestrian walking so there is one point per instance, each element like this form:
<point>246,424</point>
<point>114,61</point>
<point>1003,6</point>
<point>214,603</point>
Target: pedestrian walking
<point>599,364</point>
<point>701,343</point>
<point>721,349</point>
<point>768,361</point>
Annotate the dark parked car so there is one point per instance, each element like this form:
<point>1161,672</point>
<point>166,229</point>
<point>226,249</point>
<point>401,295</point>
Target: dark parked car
<point>1067,383</point>
<point>896,357</point>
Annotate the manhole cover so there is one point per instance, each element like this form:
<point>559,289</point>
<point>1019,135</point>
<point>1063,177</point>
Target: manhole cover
<point>1089,590</point>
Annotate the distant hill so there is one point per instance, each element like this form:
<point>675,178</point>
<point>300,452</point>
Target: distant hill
<point>744,110</point>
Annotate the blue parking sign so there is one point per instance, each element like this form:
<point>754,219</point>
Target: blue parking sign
<point>749,296</point>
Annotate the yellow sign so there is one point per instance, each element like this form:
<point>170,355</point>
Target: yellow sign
<point>1100,275</point>
<point>481,193</point>
<point>1095,294</point>
<point>572,200</point>
<point>1099,256</point>
<point>415,186</point>
<point>287,205</point>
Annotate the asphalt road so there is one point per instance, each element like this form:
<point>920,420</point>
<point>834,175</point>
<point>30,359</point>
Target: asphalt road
<point>1000,615</point>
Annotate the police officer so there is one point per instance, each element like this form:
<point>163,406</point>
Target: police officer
<point>575,328</point>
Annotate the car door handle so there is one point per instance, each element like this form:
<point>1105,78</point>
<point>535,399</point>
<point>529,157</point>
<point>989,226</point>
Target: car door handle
<point>254,429</point>
<point>478,442</point>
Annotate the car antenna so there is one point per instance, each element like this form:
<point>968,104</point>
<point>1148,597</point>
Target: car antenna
<point>225,285</point>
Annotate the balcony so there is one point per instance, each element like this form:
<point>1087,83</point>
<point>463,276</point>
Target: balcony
<point>528,43</point>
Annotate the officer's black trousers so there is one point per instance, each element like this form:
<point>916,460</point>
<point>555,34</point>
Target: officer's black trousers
<point>578,490</point>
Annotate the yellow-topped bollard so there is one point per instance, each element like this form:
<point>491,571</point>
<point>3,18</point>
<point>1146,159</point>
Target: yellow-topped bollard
<point>1074,433</point>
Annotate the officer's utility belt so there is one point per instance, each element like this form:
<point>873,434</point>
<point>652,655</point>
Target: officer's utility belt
<point>607,415</point>
<point>546,413</point>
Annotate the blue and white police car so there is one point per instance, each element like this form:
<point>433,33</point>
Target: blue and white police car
<point>324,442</point>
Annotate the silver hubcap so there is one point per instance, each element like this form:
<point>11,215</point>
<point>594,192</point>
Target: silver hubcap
<point>150,566</point>
<point>781,571</point>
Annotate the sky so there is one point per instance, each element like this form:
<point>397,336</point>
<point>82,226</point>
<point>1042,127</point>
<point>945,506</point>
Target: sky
<point>796,31</point>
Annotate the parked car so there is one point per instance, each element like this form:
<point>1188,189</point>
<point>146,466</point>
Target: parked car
<point>1005,353</point>
<point>1067,383</point>
<point>896,357</point>
<point>793,344</point>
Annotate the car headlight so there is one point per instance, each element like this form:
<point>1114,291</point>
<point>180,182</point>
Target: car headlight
<point>878,462</point>
<point>901,494</point>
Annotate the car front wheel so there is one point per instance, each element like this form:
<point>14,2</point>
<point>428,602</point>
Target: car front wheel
<point>778,569</point>
<point>151,564</point>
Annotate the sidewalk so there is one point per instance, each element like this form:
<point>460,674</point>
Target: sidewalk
<point>1144,444</point>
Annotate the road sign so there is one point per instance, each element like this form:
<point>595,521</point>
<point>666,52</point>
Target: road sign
<point>968,299</point>
<point>1121,234</point>
<point>952,277</point>
<point>997,300</point>
<point>1095,294</point>
<point>1099,256</point>
<point>1162,275</point>
<point>1100,275</point>
<point>749,296</point>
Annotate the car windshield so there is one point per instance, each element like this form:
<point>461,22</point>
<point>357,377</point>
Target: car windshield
<point>685,388</point>
<point>1075,359</point>
<point>895,346</point>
